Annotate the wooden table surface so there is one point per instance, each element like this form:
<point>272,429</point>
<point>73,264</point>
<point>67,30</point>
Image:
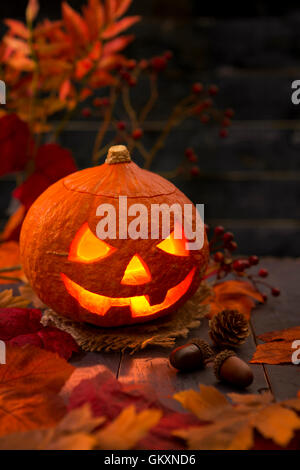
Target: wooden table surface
<point>151,366</point>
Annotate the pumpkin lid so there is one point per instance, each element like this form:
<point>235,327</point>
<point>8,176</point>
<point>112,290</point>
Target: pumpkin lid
<point>118,176</point>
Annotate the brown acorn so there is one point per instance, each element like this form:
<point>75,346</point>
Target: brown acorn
<point>228,328</point>
<point>191,356</point>
<point>230,368</point>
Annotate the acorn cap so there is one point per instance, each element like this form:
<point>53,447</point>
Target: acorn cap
<point>220,359</point>
<point>118,154</point>
<point>204,347</point>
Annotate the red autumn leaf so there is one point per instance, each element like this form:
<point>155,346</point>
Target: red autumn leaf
<point>278,347</point>
<point>15,144</point>
<point>120,26</point>
<point>20,326</point>
<point>110,8</point>
<point>17,28</point>
<point>116,45</point>
<point>64,90</point>
<point>49,338</point>
<point>122,7</point>
<point>29,385</point>
<point>94,16</point>
<point>108,397</point>
<point>18,321</point>
<point>74,24</point>
<point>52,162</point>
<point>234,295</point>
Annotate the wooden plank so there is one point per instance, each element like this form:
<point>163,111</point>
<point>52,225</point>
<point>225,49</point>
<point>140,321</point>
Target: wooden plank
<point>279,313</point>
<point>151,368</point>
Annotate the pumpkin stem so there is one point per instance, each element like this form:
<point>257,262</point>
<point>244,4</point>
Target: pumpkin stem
<point>118,154</point>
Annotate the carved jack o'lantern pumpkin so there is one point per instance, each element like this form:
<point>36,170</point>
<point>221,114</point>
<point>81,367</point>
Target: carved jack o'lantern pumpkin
<point>115,281</point>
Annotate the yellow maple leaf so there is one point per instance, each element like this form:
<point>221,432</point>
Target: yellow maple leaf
<point>224,426</point>
<point>127,429</point>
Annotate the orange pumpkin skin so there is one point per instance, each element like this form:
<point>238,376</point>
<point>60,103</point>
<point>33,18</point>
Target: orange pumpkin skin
<point>77,289</point>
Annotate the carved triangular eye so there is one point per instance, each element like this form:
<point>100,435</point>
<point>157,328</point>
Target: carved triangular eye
<point>174,246</point>
<point>86,247</point>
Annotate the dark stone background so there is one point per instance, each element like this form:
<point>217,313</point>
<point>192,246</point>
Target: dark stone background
<point>253,53</point>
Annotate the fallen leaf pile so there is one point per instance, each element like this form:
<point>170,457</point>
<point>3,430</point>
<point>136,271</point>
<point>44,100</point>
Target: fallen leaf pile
<point>232,426</point>
<point>108,397</point>
<point>29,385</point>
<point>277,347</point>
<point>20,326</point>
<point>233,295</point>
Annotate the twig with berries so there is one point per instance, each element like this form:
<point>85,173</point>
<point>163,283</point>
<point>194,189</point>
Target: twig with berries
<point>197,104</point>
<point>222,245</point>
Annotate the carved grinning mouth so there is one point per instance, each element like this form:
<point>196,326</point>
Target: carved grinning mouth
<point>139,305</point>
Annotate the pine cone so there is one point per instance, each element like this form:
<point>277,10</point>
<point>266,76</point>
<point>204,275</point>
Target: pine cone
<point>228,328</point>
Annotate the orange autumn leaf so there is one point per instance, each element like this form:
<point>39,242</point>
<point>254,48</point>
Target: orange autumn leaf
<point>277,347</point>
<point>10,257</point>
<point>75,25</point>
<point>29,385</point>
<point>32,10</point>
<point>234,295</point>
<point>122,7</point>
<point>120,26</point>
<point>233,426</point>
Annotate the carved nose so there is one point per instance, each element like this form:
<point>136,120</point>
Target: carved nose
<point>136,273</point>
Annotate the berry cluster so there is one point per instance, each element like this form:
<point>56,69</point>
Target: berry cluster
<point>221,246</point>
<point>130,122</point>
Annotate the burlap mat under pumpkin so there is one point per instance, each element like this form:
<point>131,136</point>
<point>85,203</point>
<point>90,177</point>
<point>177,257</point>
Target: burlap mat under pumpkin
<point>160,332</point>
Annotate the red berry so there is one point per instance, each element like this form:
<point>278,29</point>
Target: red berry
<point>131,64</point>
<point>121,125</point>
<point>263,273</point>
<point>132,81</point>
<point>204,118</point>
<point>227,237</point>
<point>193,158</point>
<point>265,297</point>
<point>158,63</point>
<point>97,102</point>
<point>226,122</point>
<point>137,134</point>
<point>143,64</point>
<point>213,90</point>
<point>207,103</point>
<point>168,55</point>
<point>125,74</point>
<point>275,291</point>
<point>253,260</point>
<point>239,265</point>
<point>105,101</point>
<point>232,246</point>
<point>86,112</point>
<point>229,113</point>
<point>197,88</point>
<point>223,133</point>
<point>219,230</point>
<point>198,109</point>
<point>189,152</point>
<point>218,257</point>
<point>195,171</point>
